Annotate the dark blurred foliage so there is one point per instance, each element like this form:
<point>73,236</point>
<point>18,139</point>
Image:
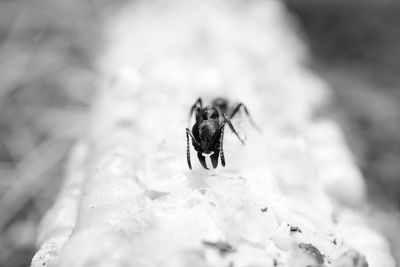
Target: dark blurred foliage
<point>355,48</point>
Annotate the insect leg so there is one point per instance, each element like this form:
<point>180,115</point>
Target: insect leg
<point>233,129</point>
<point>237,108</point>
<point>221,146</point>
<point>188,150</point>
<point>189,133</point>
<point>197,105</point>
<point>202,160</point>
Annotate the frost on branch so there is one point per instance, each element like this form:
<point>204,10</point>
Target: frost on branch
<point>292,196</point>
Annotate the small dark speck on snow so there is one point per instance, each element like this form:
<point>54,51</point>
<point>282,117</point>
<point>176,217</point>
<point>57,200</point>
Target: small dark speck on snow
<point>264,209</point>
<point>295,229</point>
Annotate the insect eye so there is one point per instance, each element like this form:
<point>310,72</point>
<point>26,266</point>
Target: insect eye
<point>215,115</point>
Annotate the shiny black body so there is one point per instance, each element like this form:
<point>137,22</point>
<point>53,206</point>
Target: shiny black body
<point>208,132</point>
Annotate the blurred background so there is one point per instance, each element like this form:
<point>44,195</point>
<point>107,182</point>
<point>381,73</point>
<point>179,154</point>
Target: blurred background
<point>47,74</point>
<point>355,48</point>
<point>48,50</point>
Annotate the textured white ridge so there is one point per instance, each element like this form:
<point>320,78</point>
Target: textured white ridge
<point>292,196</point>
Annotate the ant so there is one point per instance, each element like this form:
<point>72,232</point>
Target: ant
<point>208,132</point>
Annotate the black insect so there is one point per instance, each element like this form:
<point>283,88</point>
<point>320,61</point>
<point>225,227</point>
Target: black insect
<point>208,132</point>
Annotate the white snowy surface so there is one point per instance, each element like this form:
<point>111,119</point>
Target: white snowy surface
<point>129,198</point>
